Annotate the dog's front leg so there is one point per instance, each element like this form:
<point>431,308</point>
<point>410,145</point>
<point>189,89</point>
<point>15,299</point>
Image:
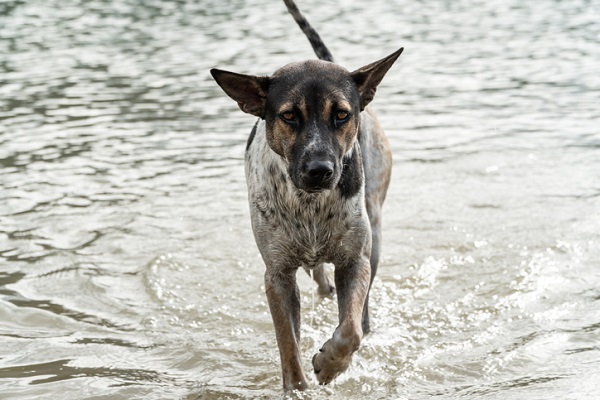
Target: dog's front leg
<point>284,302</point>
<point>352,284</point>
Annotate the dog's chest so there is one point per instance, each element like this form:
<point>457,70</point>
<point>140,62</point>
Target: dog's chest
<point>310,227</point>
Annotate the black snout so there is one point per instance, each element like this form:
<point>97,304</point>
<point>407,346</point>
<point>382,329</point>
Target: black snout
<point>319,171</point>
<point>317,175</point>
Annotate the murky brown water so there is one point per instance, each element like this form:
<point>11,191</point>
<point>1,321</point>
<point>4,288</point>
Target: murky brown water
<point>127,264</point>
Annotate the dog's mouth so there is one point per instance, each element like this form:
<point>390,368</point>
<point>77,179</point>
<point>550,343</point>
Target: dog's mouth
<point>314,190</point>
<point>316,186</point>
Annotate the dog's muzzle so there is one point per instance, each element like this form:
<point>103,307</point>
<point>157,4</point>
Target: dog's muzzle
<point>317,175</point>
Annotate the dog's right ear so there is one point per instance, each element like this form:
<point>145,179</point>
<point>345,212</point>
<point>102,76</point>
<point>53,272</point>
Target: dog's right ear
<point>250,92</point>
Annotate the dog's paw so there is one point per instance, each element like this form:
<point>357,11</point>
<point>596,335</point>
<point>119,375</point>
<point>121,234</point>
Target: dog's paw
<point>327,290</point>
<point>328,363</point>
<point>325,282</point>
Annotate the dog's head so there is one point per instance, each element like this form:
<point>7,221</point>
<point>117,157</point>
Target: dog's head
<point>311,110</point>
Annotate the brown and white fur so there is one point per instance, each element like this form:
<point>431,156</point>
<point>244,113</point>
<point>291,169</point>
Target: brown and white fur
<point>317,167</point>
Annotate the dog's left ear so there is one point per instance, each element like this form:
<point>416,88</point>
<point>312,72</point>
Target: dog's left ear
<point>250,92</point>
<point>368,77</point>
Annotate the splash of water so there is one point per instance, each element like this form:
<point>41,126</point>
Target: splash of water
<point>312,294</point>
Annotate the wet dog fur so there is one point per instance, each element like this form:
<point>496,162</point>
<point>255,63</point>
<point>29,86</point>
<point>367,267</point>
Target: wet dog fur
<point>317,167</point>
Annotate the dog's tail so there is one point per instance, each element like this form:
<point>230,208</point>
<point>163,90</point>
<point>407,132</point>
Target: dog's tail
<point>313,37</point>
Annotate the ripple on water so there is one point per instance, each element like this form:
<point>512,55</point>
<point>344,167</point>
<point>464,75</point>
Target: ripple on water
<point>128,265</point>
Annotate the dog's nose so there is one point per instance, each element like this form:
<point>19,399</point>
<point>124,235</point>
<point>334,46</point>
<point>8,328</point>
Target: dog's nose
<point>321,170</point>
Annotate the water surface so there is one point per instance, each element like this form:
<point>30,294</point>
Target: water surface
<point>127,263</point>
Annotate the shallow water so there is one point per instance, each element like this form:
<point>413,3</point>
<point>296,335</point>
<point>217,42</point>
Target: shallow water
<point>127,263</point>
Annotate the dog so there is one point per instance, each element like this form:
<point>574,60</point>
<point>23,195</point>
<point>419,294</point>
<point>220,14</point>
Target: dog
<point>317,167</point>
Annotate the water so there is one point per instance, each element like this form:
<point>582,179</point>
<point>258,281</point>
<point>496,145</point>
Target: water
<point>127,264</point>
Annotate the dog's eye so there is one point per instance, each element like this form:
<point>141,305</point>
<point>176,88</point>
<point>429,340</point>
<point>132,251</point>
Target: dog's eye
<point>341,117</point>
<point>288,117</point>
